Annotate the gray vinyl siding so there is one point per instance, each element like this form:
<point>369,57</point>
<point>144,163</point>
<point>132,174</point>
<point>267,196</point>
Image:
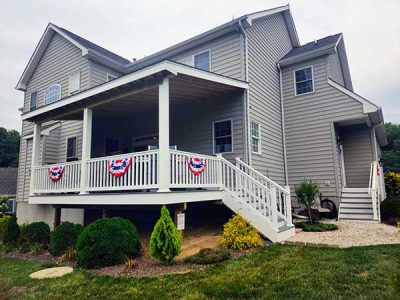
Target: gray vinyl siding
<point>227,55</point>
<point>51,146</point>
<point>98,73</point>
<point>358,155</point>
<point>308,126</point>
<point>335,69</point>
<point>268,41</point>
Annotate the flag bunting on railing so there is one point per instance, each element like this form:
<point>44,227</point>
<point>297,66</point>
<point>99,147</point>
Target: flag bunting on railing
<point>196,164</point>
<point>118,167</point>
<point>55,173</point>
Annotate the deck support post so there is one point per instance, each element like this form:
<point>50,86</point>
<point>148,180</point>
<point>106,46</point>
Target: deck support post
<point>86,148</point>
<point>35,156</point>
<point>164,165</point>
<point>288,205</point>
<point>274,208</point>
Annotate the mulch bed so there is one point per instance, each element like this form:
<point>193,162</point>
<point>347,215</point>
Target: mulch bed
<point>43,257</point>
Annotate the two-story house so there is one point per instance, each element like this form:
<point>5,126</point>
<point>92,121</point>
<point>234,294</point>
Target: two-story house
<point>239,114</point>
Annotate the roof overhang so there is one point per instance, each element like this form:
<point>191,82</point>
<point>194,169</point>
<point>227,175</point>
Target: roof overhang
<point>150,76</point>
<point>327,50</point>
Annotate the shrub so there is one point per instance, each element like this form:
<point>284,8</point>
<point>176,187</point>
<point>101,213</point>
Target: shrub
<point>306,194</point>
<point>319,227</point>
<point>208,256</point>
<point>3,224</point>
<point>165,240</point>
<point>106,242</point>
<point>240,235</point>
<point>64,237</point>
<point>392,183</point>
<point>3,204</point>
<point>69,255</point>
<point>34,233</point>
<point>11,232</point>
<point>130,264</point>
<point>390,208</point>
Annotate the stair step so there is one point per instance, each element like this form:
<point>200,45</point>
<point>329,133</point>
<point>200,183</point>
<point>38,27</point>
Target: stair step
<point>348,210</point>
<point>356,200</point>
<point>356,205</point>
<point>354,195</point>
<point>355,190</point>
<point>356,216</point>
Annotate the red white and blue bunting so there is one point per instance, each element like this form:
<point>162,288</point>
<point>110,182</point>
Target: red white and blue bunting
<point>55,173</point>
<point>118,167</point>
<point>196,164</point>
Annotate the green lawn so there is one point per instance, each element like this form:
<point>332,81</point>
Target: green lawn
<point>275,272</point>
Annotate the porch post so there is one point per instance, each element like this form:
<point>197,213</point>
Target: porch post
<point>164,167</point>
<point>86,148</point>
<point>35,155</point>
<point>288,205</point>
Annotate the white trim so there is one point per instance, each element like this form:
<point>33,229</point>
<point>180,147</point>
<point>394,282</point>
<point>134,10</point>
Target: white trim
<point>209,59</point>
<point>265,13</point>
<point>43,132</point>
<point>312,80</point>
<point>111,75</point>
<point>213,135</point>
<point>259,137</point>
<point>45,91</point>
<point>368,107</point>
<point>66,148</point>
<point>69,82</point>
<point>172,67</point>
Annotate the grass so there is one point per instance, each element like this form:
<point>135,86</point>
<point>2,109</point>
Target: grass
<point>274,272</point>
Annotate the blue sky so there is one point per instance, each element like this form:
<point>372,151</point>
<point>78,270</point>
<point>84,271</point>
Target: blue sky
<point>134,29</point>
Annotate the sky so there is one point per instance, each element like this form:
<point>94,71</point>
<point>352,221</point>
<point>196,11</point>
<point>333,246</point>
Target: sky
<point>133,29</point>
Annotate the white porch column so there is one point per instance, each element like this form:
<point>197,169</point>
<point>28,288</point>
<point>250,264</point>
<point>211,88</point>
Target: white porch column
<point>288,205</point>
<point>86,147</point>
<point>164,167</point>
<point>35,155</point>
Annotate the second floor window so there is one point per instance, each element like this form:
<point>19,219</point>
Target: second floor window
<point>202,60</point>
<point>304,81</point>
<point>71,148</point>
<point>33,102</point>
<point>223,136</point>
<point>255,138</point>
<point>74,82</point>
<point>52,94</point>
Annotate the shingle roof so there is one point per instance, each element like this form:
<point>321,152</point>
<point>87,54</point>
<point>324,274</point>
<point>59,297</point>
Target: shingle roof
<point>326,41</point>
<point>8,181</point>
<point>88,44</point>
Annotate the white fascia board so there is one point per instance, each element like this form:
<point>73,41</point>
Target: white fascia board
<point>368,107</point>
<point>169,66</point>
<point>265,13</point>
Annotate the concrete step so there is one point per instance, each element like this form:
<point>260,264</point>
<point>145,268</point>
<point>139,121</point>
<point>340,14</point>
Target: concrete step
<point>348,210</point>
<point>355,190</point>
<point>345,216</point>
<point>356,205</point>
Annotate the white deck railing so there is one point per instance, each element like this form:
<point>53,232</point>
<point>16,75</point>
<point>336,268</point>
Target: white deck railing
<point>376,188</point>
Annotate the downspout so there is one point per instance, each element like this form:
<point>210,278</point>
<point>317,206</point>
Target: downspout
<point>247,114</point>
<point>283,127</point>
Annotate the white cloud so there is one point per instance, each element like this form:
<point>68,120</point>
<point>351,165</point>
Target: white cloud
<point>137,28</point>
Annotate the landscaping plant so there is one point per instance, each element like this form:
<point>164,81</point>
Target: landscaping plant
<point>64,237</point>
<point>3,204</point>
<point>390,208</point>
<point>240,235</point>
<point>320,227</point>
<point>306,194</point>
<point>165,240</point>
<point>392,184</point>
<point>208,256</point>
<point>11,231</point>
<point>37,233</point>
<point>106,242</point>
<point>3,224</point>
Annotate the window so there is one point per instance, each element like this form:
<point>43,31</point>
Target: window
<point>202,60</point>
<point>74,82</point>
<point>111,146</point>
<point>11,205</point>
<point>255,138</point>
<point>304,81</point>
<point>33,103</point>
<point>110,77</point>
<point>52,94</point>
<point>223,136</point>
<point>71,148</point>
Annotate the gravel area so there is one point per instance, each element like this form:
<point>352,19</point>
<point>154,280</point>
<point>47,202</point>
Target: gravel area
<point>350,233</point>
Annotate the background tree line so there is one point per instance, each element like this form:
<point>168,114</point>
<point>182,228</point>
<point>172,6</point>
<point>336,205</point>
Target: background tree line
<point>9,147</point>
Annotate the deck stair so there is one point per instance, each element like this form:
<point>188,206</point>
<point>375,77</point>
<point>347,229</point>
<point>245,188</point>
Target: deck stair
<point>356,204</point>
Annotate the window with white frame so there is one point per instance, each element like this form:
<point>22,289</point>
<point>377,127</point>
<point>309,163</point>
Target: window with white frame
<point>52,94</point>
<point>255,137</point>
<point>202,60</point>
<point>74,82</point>
<point>304,80</point>
<point>110,77</point>
<point>71,148</point>
<point>223,136</point>
<point>33,101</point>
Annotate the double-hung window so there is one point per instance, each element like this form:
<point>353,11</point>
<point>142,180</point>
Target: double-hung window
<point>71,148</point>
<point>74,82</point>
<point>52,94</point>
<point>223,136</point>
<point>304,81</point>
<point>33,101</point>
<point>202,60</point>
<point>255,137</point>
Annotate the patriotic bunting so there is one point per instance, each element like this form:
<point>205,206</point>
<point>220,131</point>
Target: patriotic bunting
<point>55,173</point>
<point>118,167</point>
<point>196,164</point>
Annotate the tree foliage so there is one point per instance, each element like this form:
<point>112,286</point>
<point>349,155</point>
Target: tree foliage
<point>9,147</point>
<point>307,193</point>
<point>391,154</point>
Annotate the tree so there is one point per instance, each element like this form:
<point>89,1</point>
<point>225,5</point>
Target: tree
<point>307,193</point>
<point>3,204</point>
<point>391,153</point>
<point>9,147</point>
<point>165,240</point>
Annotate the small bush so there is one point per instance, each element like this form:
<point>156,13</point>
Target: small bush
<point>11,232</point>
<point>106,242</point>
<point>165,240</point>
<point>240,235</point>
<point>69,255</point>
<point>208,256</point>
<point>34,233</point>
<point>3,224</point>
<point>392,184</point>
<point>35,248</point>
<point>130,264</point>
<point>318,227</point>
<point>390,208</point>
<point>306,194</point>
<point>64,237</point>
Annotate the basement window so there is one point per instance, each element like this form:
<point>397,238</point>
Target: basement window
<point>304,82</point>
